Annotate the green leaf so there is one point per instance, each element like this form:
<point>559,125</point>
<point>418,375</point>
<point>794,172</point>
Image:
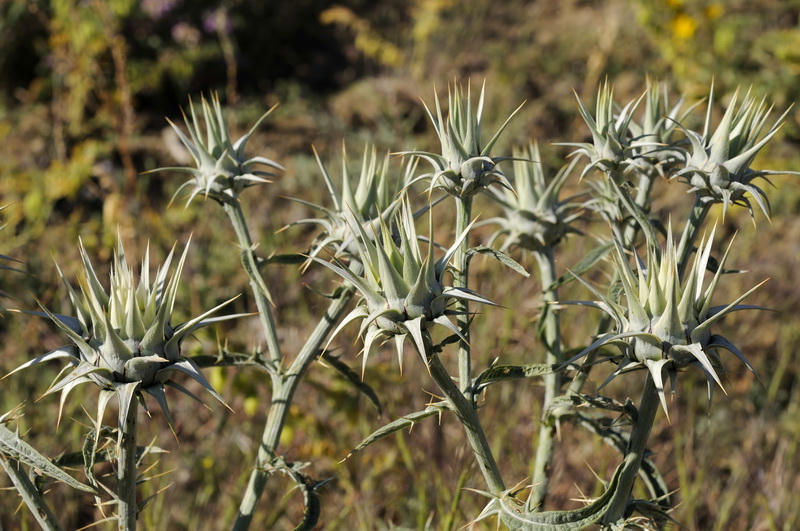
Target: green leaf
<point>499,373</point>
<point>403,422</point>
<point>352,377</point>
<point>499,256</point>
<point>585,264</point>
<point>11,445</point>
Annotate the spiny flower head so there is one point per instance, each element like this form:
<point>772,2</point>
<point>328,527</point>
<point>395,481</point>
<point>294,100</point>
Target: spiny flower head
<point>375,198</point>
<point>718,166</point>
<point>403,289</point>
<point>464,166</point>
<point>612,150</point>
<point>123,338</point>
<point>222,168</point>
<point>664,324</point>
<point>534,216</point>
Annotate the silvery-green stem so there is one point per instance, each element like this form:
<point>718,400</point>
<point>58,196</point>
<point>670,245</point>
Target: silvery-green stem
<point>30,495</point>
<point>284,386</point>
<point>551,337</point>
<point>637,444</point>
<point>642,200</point>
<point>467,414</point>
<point>461,280</point>
<point>690,232</point>
<point>126,471</point>
<point>234,210</point>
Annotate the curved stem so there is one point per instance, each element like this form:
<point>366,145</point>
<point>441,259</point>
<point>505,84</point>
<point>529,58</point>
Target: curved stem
<point>690,232</point>
<point>461,280</point>
<point>234,210</point>
<point>284,386</point>
<point>126,471</point>
<point>635,453</point>
<point>468,415</point>
<point>550,333</point>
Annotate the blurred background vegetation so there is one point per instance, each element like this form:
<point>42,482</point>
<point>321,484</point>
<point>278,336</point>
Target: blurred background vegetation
<point>85,86</point>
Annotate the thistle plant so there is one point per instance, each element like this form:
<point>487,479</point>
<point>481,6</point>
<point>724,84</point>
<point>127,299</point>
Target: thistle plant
<point>665,323</point>
<point>222,170</point>
<point>659,314</point>
<point>125,343</point>
<point>405,295</point>
<point>718,167</point>
<point>464,167</point>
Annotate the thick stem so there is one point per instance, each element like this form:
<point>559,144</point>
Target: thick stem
<point>283,389</point>
<point>30,495</point>
<point>690,232</point>
<point>126,471</point>
<point>550,334</point>
<point>636,448</point>
<point>234,210</point>
<point>468,415</point>
<point>461,280</point>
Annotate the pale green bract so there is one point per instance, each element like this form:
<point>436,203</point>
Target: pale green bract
<point>123,338</point>
<point>465,167</point>
<point>534,217</point>
<point>403,290</point>
<point>222,168</point>
<point>665,325</point>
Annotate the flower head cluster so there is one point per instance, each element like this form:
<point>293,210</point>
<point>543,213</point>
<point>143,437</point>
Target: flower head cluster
<point>718,166</point>
<point>374,198</point>
<point>666,324</point>
<point>123,339</point>
<point>534,216</point>
<point>222,168</point>
<point>464,168</point>
<point>404,291</point>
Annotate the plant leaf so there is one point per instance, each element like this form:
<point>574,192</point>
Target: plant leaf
<point>11,445</point>
<point>404,422</point>
<point>353,377</point>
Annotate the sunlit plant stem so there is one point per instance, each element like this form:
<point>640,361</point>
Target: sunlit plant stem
<point>126,472</point>
<point>461,280</point>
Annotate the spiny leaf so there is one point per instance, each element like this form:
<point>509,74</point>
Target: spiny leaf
<point>352,377</point>
<point>404,422</point>
<point>499,256</point>
<point>585,264</point>
<point>11,445</point>
<point>499,373</point>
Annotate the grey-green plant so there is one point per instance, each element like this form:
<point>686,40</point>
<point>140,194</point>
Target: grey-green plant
<point>413,291</point>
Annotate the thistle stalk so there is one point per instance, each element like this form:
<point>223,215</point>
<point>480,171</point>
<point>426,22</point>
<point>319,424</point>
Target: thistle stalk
<point>461,280</point>
<point>468,416</point>
<point>233,208</point>
<point>690,232</point>
<point>550,333</point>
<point>126,472</point>
<point>637,445</point>
<point>284,385</point>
